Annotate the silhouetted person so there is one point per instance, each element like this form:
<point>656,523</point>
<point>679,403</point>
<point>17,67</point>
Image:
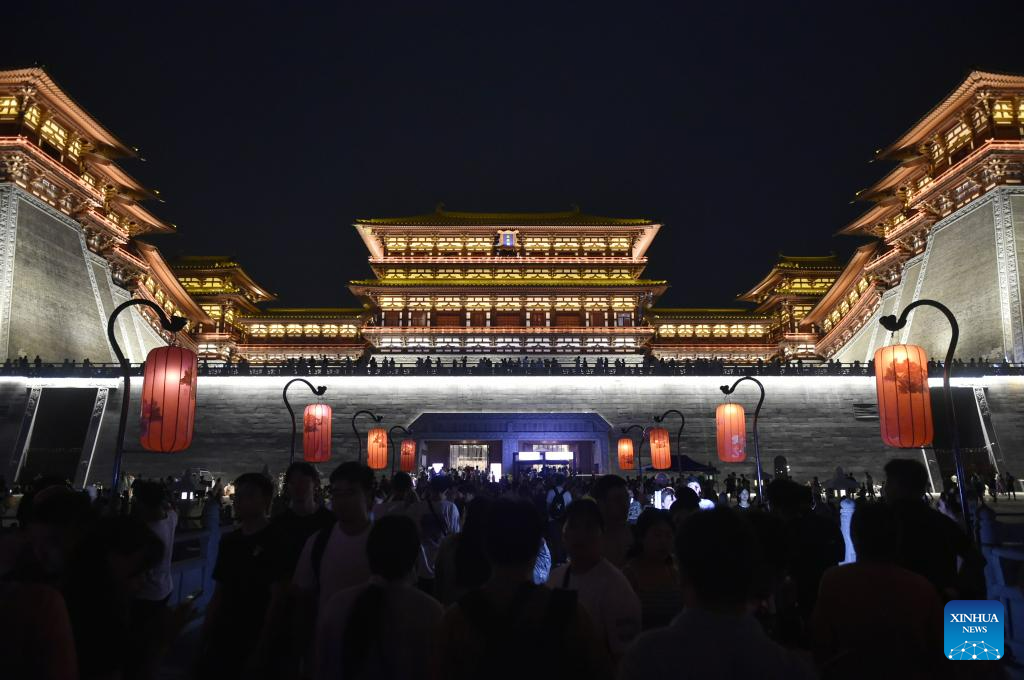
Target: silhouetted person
<point>718,556</point>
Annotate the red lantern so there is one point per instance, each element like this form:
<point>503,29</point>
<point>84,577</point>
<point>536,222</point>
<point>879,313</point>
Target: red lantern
<point>904,403</point>
<point>661,452</point>
<point>626,453</point>
<point>731,429</point>
<point>407,460</point>
<point>316,433</point>
<point>168,399</point>
<point>377,448</point>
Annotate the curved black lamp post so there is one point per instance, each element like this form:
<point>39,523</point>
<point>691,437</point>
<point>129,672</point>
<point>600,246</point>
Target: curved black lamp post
<point>171,325</point>
<point>318,391</point>
<point>359,442</point>
<point>757,444</point>
<point>391,444</point>
<point>892,324</point>
<point>679,435</point>
<point>639,448</point>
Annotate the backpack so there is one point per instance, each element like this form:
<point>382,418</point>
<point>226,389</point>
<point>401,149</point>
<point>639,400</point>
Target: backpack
<point>556,510</point>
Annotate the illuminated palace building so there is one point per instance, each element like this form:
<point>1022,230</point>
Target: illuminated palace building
<point>946,223</point>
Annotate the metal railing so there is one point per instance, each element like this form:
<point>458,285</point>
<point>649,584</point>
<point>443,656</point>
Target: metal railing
<point>512,366</point>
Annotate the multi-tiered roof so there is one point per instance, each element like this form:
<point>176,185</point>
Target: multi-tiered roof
<point>508,282</point>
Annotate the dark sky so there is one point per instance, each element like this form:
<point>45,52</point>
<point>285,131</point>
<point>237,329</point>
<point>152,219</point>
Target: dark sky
<point>746,129</point>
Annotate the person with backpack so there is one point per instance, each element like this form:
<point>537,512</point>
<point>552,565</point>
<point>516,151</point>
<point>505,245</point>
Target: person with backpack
<point>334,558</point>
<point>510,612</point>
<point>557,501</point>
<point>384,628</point>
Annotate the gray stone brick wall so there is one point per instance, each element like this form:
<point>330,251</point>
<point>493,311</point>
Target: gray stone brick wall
<point>242,424</point>
<point>54,311</point>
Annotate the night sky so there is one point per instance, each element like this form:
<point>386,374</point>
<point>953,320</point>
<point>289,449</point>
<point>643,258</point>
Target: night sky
<point>746,130</point>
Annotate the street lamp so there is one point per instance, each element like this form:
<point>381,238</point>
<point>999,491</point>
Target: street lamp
<point>726,390</point>
<point>171,325</point>
<point>391,444</point>
<point>892,324</point>
<point>359,442</point>
<point>679,434</point>
<point>318,391</point>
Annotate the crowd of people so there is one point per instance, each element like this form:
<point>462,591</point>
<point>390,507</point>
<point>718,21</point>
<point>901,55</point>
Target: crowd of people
<point>383,364</point>
<point>457,575</point>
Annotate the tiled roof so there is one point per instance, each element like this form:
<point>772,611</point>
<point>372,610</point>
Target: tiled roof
<point>448,218</point>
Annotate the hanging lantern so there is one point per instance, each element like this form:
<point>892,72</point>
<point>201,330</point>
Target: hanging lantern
<point>731,428</point>
<point>661,452</point>
<point>377,448</point>
<point>168,399</point>
<point>407,459</point>
<point>904,403</point>
<point>316,433</point>
<point>626,453</point>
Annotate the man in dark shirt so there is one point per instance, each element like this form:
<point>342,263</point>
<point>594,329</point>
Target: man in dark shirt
<point>929,542</point>
<point>304,515</point>
<point>250,577</point>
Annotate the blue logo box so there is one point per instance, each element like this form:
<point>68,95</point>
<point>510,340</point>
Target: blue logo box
<point>973,630</point>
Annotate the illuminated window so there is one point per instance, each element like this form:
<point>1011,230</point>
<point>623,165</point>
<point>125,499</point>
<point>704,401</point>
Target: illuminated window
<point>978,119</point>
<point>507,303</point>
<point>593,244</point>
<point>328,330</point>
<point>957,136</point>
<point>537,244</point>
<point>419,303</point>
<point>667,331</point>
<point>618,244</point>
<point>54,134</point>
<point>311,330</point>
<point>566,244</point>
<point>293,329</point>
<point>258,330</point>
<point>566,304</point>
<point>75,148</point>
<point>622,303</point>
<point>8,108</point>
<point>396,243</point>
<point>476,274</point>
<point>32,116</point>
<point>213,282</point>
<point>591,303</point>
<point>702,331</point>
<point>566,273</point>
<point>449,243</point>
<point>738,330</point>
<point>421,244</point>
<point>88,179</point>
<point>448,304</point>
<point>685,330</point>
<point>276,330</point>
<point>1002,112</point>
<point>507,274</point>
<point>390,302</point>
<point>755,330</point>
<point>537,303</point>
<point>229,315</point>
<point>720,331</point>
<point>480,303</point>
<point>478,243</point>
<point>347,330</point>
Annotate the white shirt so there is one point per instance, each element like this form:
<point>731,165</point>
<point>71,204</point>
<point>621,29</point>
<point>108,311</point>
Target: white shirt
<point>434,526</point>
<point>410,618</point>
<point>610,601</point>
<point>157,583</point>
<point>344,564</point>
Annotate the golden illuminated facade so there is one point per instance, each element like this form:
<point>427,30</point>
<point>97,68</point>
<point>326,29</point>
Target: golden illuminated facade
<point>521,283</point>
<point>946,224</point>
<point>774,328</point>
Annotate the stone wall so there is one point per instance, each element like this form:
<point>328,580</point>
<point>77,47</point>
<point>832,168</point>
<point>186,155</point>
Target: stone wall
<point>56,295</point>
<point>969,265</point>
<point>242,424</point>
